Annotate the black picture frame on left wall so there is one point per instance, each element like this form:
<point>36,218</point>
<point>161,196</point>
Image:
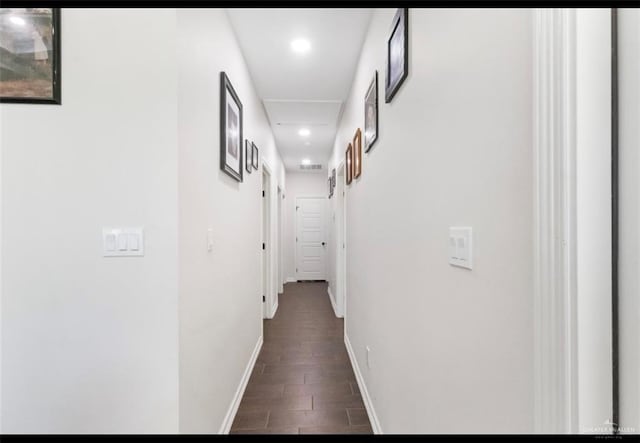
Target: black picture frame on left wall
<point>254,156</point>
<point>231,152</point>
<point>30,52</point>
<point>248,152</point>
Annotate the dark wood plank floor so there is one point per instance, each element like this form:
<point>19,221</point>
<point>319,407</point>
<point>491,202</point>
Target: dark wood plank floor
<point>303,382</point>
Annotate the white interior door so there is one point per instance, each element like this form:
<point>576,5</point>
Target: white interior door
<point>310,238</point>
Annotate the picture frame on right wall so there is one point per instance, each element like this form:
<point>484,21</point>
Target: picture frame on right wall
<point>348,164</point>
<point>397,66</point>
<point>371,114</point>
<point>357,153</point>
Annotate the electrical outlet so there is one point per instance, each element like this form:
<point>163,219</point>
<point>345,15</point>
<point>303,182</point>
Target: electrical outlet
<point>368,357</point>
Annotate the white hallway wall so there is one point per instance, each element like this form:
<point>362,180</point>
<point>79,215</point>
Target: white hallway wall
<point>454,148</point>
<point>299,184</point>
<point>91,344</point>
<point>220,291</point>
<point>127,344</point>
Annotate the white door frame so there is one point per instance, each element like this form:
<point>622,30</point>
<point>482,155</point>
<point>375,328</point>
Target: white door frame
<point>266,240</point>
<point>341,243</point>
<point>280,225</point>
<point>554,222</point>
<point>560,397</point>
<point>295,232</point>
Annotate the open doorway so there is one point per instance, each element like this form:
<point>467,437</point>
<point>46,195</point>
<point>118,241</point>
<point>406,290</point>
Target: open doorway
<point>266,247</point>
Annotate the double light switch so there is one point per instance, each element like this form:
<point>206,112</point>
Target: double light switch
<point>460,247</point>
<point>123,242</point>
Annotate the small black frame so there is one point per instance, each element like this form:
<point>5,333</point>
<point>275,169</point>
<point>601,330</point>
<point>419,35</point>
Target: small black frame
<point>254,155</point>
<point>225,85</point>
<point>56,98</point>
<point>371,95</point>
<point>401,18</point>
<point>247,154</point>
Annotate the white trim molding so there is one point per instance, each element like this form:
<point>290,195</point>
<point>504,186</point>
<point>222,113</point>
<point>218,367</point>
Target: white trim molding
<point>291,280</point>
<point>368,404</point>
<point>274,309</point>
<point>333,302</point>
<point>555,356</point>
<point>237,398</point>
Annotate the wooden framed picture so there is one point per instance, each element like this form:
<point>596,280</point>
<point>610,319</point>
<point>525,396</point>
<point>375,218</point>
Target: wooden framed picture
<point>371,114</point>
<point>230,129</point>
<point>397,54</point>
<point>348,164</point>
<point>254,156</point>
<point>357,154</point>
<point>30,53</point>
<point>248,152</point>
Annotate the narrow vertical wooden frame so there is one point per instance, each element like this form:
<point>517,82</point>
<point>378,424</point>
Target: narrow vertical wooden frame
<point>357,154</point>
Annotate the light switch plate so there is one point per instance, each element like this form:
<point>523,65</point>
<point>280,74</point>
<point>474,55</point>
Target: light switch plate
<point>123,242</point>
<point>461,247</point>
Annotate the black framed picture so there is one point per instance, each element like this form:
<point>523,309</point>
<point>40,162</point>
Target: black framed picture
<point>230,129</point>
<point>30,53</point>
<point>254,156</point>
<point>247,155</point>
<point>371,114</point>
<point>397,54</point>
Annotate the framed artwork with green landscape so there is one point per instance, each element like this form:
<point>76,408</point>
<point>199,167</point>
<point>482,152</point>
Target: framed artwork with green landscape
<point>30,55</point>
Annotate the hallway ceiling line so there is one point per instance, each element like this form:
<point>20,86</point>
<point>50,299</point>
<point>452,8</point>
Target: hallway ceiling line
<point>303,93</point>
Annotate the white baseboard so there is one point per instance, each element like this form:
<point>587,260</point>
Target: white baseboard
<point>333,303</point>
<point>368,404</point>
<point>274,308</point>
<point>235,403</point>
<point>290,280</point>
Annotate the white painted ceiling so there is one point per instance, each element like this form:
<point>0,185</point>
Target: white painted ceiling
<point>305,90</point>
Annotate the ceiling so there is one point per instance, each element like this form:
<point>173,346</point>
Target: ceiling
<point>302,90</point>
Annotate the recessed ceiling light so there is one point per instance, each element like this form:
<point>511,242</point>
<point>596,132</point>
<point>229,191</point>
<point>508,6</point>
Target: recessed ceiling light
<point>300,46</point>
<point>17,20</point>
<point>306,161</point>
<point>304,132</point>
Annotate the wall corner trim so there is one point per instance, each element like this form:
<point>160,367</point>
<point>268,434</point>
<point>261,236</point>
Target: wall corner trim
<point>554,261</point>
<point>237,398</point>
<point>274,309</point>
<point>333,303</point>
<point>368,404</point>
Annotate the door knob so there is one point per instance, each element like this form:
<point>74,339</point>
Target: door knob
<point>322,243</point>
